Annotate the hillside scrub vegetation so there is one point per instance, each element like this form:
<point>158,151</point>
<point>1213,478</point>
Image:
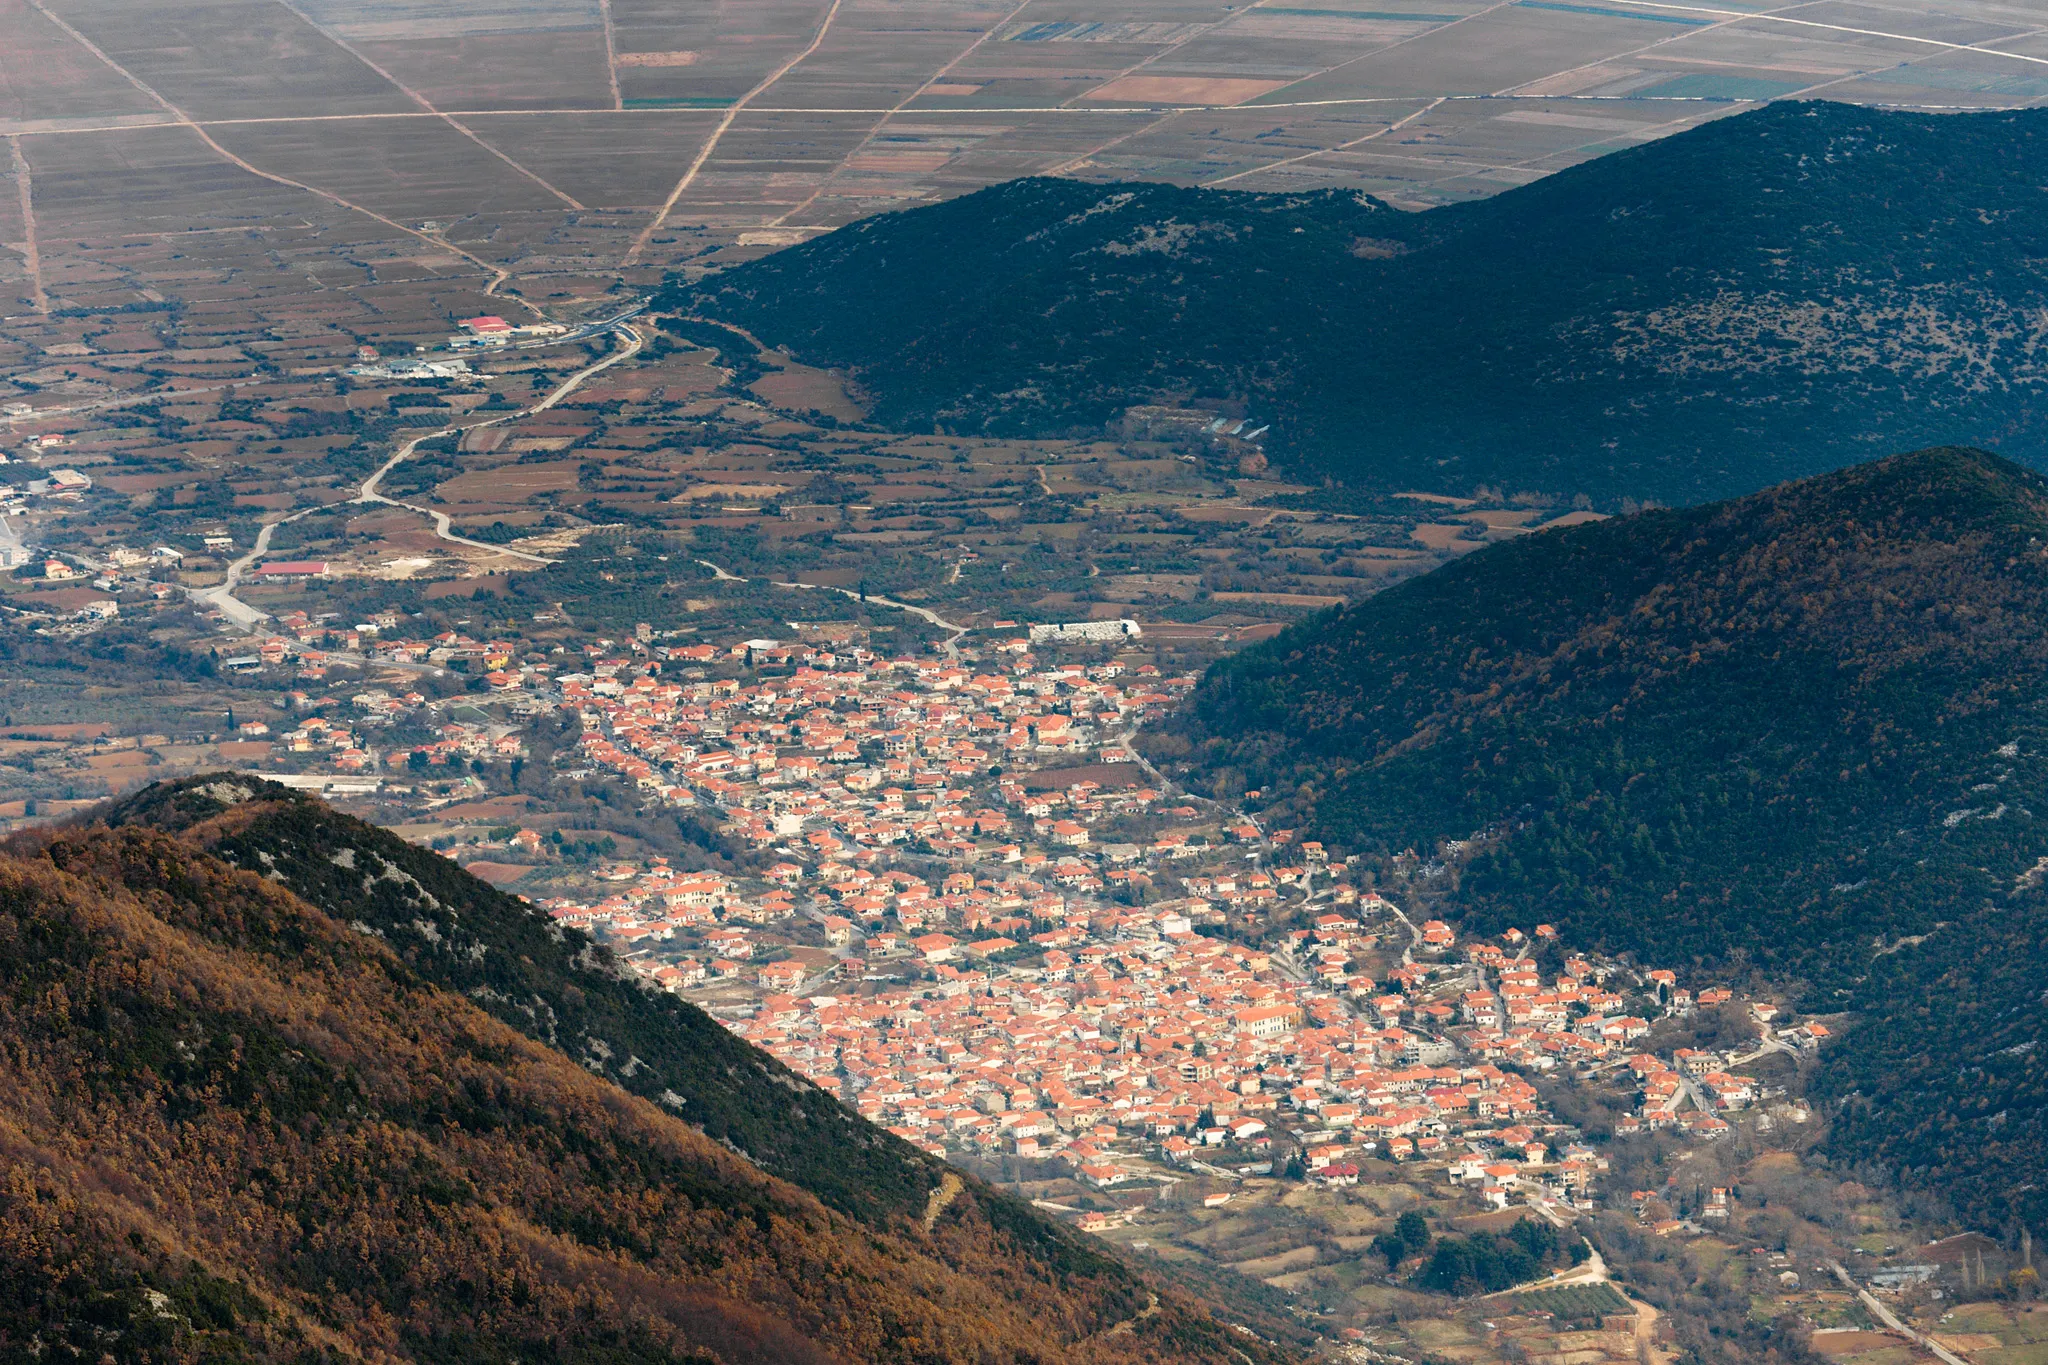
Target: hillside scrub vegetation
<point>1801,733</point>
<point>552,983</point>
<point>235,1128</point>
<point>1784,291</point>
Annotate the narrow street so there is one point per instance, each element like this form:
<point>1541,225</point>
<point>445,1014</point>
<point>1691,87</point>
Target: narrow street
<point>1414,935</point>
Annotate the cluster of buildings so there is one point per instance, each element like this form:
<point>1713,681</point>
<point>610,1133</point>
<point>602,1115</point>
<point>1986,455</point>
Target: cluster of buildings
<point>64,485</point>
<point>1143,1046</point>
<point>990,1012</point>
<point>311,645</point>
<point>489,330</point>
<point>122,573</point>
<point>978,920</point>
<point>850,754</point>
<point>486,332</point>
<point>1138,1046</point>
<point>329,731</point>
<point>407,368</point>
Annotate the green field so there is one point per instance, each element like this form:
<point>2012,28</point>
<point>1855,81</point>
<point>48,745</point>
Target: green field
<point>1574,1301</point>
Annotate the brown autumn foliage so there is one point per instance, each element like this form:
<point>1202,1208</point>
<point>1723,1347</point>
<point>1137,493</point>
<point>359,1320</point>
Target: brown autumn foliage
<point>232,1129</point>
<point>555,986</point>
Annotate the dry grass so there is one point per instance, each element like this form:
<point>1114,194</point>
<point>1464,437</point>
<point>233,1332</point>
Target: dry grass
<point>1183,90</point>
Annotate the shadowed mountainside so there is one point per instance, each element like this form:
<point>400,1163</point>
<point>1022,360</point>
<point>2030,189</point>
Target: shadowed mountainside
<point>1795,731</point>
<point>552,984</point>
<point>1770,295</point>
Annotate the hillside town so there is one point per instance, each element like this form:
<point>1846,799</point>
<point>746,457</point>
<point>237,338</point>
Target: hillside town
<point>967,907</point>
<point>982,922</point>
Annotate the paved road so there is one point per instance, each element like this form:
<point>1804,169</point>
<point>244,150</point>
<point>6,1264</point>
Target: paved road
<point>1127,740</point>
<point>1884,1315</point>
<point>369,492</point>
<point>241,613</point>
<point>1167,787</point>
<point>1286,964</point>
<point>1414,935</point>
<point>442,523</point>
<point>245,617</point>
<point>951,644</point>
<point>1769,1042</point>
<point>222,596</point>
<point>1539,1199</point>
<point>125,400</point>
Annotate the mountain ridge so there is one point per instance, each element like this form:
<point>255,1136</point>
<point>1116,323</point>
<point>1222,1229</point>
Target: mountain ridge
<point>552,983</point>
<point>1786,733</point>
<point>229,1121</point>
<point>1765,296</point>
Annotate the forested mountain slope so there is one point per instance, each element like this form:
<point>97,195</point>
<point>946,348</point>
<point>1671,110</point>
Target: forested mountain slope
<point>550,983</point>
<point>1773,294</point>
<point>234,1127</point>
<point>1789,730</point>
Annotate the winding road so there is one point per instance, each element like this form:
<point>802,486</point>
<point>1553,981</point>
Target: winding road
<point>222,597</point>
<point>369,493</point>
<point>1767,1043</point>
<point>1414,935</point>
<point>951,644</point>
<point>245,618</point>
<point>1592,1270</point>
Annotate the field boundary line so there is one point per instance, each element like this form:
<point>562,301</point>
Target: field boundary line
<point>185,120</point>
<point>1394,127</point>
<point>611,53</point>
<point>421,100</point>
<point>1648,132</point>
<point>1669,38</point>
<point>632,256</point>
<point>927,83</point>
<point>31,256</point>
<point>1765,16</point>
<point>984,111</point>
<point>1398,43</point>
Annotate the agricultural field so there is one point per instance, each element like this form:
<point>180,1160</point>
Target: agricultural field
<point>196,245</point>
<point>1574,1301</point>
<point>281,493</point>
<point>649,473</point>
<point>1317,1250</point>
<point>759,463</point>
<point>581,144</point>
<point>1993,1333</point>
